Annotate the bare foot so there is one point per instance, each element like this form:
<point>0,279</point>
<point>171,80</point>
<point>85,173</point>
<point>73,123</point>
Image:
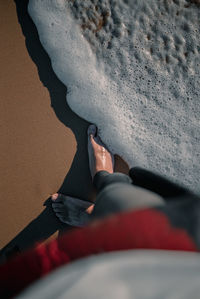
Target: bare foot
<point>99,156</point>
<point>70,210</point>
<point>74,211</point>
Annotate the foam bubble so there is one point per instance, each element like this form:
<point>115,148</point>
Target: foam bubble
<point>131,67</point>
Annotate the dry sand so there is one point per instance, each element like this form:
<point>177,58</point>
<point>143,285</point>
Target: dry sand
<point>37,150</point>
<point>43,143</point>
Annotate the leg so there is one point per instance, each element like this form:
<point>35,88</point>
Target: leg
<point>74,211</point>
<point>115,192</point>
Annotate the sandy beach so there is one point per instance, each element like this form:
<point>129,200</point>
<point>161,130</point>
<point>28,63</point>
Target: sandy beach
<point>43,143</point>
<point>37,149</point>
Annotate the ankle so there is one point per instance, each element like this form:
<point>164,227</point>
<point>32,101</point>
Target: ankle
<point>98,169</point>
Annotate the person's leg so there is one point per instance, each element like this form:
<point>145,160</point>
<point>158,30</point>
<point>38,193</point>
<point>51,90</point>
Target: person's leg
<point>115,192</point>
<point>104,178</point>
<point>75,211</point>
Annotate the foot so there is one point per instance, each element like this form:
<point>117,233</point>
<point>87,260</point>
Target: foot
<point>99,156</point>
<point>70,210</point>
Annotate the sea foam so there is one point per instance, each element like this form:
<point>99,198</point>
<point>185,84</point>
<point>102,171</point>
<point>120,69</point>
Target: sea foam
<point>133,69</point>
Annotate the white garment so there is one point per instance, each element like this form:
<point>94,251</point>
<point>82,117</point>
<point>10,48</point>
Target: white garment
<point>132,274</point>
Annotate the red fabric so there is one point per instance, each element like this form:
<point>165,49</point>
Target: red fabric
<point>147,229</point>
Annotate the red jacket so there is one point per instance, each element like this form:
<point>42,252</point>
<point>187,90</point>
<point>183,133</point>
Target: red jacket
<point>144,229</point>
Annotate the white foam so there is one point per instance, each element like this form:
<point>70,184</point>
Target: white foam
<point>132,68</point>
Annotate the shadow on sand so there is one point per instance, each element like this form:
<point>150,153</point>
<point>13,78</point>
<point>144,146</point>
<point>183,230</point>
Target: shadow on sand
<point>74,183</point>
<point>77,181</point>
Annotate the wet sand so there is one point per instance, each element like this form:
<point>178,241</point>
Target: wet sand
<point>43,143</point>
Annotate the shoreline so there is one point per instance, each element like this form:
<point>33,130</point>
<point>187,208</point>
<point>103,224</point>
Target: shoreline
<point>44,144</point>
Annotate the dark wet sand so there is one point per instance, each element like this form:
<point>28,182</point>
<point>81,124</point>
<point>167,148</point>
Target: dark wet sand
<point>43,143</point>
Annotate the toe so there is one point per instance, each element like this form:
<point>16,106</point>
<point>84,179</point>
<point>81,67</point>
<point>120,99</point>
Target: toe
<point>57,197</point>
<point>62,218</point>
<point>57,210</point>
<point>57,205</point>
<point>60,215</point>
<point>92,130</point>
<point>54,196</point>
